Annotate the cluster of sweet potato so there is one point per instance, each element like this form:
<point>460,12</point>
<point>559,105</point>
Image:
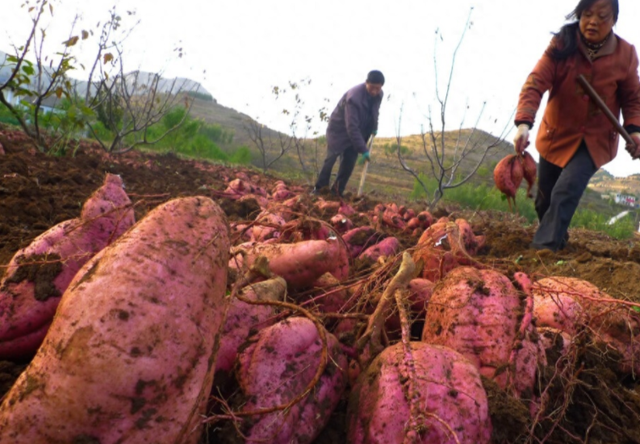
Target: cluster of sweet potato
<point>510,171</point>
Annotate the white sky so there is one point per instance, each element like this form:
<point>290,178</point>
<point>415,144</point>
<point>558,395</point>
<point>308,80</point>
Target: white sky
<point>248,46</point>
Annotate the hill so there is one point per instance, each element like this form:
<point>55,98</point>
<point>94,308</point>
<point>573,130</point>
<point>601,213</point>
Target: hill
<point>385,174</point>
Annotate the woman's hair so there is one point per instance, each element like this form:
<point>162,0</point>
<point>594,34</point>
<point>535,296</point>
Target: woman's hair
<point>566,40</point>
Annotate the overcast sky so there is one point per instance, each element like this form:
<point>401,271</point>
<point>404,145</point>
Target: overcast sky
<point>247,47</point>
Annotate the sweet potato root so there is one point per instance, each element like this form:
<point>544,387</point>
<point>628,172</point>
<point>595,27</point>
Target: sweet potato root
<point>451,402</point>
<point>38,274</point>
<point>130,354</point>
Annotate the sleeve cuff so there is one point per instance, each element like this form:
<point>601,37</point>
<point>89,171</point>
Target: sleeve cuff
<point>520,122</point>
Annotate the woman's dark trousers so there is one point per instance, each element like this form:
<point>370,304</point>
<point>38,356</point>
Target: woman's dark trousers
<point>559,193</point>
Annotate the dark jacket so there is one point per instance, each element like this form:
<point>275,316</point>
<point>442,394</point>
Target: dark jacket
<point>353,120</point>
<point>570,115</point>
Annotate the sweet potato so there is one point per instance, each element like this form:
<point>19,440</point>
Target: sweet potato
<point>300,263</point>
<point>478,313</point>
<point>472,242</point>
<point>408,214</point>
<point>447,392</point>
<point>130,354</point>
<point>38,274</point>
<point>530,171</point>
<point>242,318</point>
<point>243,187</point>
<point>572,305</point>
<point>341,223</point>
<point>277,367</point>
<point>267,226</point>
<point>508,175</point>
<point>386,247</point>
<point>330,296</point>
<point>361,238</point>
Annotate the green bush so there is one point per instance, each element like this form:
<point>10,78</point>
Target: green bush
<point>241,156</point>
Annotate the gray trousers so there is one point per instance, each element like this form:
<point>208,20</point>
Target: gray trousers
<point>559,193</point>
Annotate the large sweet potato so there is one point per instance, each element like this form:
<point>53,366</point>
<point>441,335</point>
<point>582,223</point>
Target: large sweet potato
<point>278,367</point>
<point>478,313</point>
<point>38,274</point>
<point>131,352</point>
<point>451,403</point>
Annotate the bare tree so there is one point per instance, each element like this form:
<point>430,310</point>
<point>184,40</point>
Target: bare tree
<point>304,137</point>
<point>444,162</point>
<point>263,141</point>
<point>136,101</point>
<point>128,103</point>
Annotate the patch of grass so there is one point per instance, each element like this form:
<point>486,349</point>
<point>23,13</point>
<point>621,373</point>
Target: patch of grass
<point>622,229</point>
<point>482,197</point>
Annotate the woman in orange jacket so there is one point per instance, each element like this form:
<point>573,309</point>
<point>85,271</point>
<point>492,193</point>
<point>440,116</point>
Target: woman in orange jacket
<point>575,138</point>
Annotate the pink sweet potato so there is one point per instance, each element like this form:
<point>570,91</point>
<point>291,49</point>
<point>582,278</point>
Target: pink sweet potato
<point>530,171</point>
<point>341,223</point>
<point>277,367</point>
<point>447,392</point>
<point>386,247</point>
<point>361,238</point>
<point>129,356</point>
<point>300,263</point>
<point>572,305</point>
<point>242,318</point>
<point>508,175</point>
<point>38,274</point>
<point>330,296</point>
<point>478,313</point>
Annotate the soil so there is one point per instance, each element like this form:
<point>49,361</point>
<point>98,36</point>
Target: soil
<point>38,191</point>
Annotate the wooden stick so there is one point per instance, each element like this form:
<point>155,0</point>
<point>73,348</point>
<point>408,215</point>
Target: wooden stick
<point>364,169</point>
<point>603,107</point>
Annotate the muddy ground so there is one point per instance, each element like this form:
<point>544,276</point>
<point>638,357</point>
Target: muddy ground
<point>38,191</point>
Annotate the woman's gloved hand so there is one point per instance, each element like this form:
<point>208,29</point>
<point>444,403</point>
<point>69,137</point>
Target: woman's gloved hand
<point>521,140</point>
<point>366,156</point>
<point>634,150</point>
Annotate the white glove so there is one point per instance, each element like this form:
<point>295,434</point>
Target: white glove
<point>521,140</point>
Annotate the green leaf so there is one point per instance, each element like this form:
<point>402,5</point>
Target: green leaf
<point>636,309</point>
<point>28,70</point>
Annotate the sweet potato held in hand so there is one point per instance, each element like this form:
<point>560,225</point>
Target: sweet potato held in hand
<point>39,274</point>
<point>130,354</point>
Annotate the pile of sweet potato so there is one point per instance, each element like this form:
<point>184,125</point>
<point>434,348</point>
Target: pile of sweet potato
<point>256,331</point>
